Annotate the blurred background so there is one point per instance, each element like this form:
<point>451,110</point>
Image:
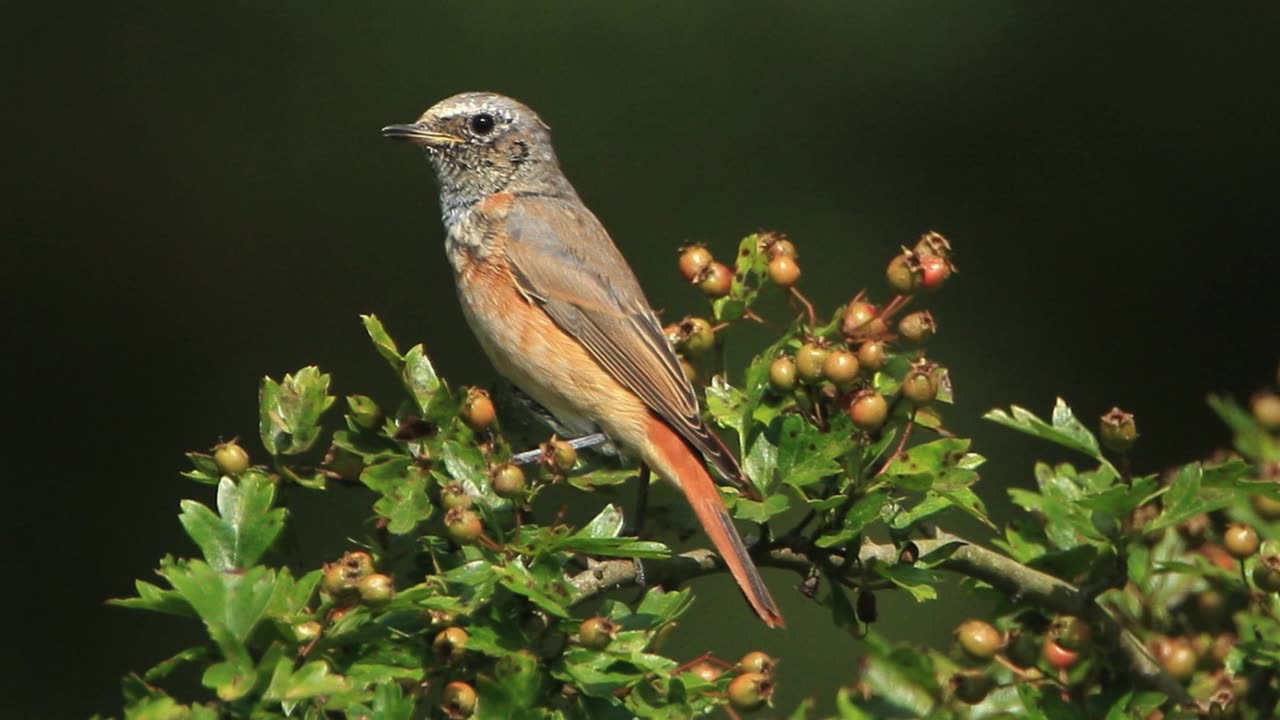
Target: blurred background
<point>197,195</point>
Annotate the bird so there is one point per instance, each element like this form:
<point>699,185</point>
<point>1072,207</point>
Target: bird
<point>559,312</point>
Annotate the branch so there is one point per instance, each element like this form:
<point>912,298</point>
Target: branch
<point>1018,581</point>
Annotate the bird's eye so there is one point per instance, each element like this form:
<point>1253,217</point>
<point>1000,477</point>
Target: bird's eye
<point>482,123</point>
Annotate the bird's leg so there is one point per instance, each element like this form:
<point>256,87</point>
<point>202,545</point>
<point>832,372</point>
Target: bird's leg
<point>578,443</point>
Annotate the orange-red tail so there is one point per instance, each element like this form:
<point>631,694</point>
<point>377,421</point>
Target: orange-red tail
<point>674,457</point>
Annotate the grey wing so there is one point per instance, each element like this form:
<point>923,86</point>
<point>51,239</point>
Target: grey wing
<point>588,289</point>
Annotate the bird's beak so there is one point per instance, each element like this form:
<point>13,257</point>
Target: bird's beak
<point>418,134</point>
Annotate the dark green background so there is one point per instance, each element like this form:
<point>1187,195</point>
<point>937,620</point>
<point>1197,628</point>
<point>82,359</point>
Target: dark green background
<point>197,195</point>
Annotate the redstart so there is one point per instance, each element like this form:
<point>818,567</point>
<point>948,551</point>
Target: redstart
<point>559,312</point>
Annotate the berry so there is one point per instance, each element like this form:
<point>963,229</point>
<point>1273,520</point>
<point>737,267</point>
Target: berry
<point>706,671</point>
<point>230,458</point>
<point>856,317</point>
<point>919,387</point>
<point>477,410</point>
<point>454,495</point>
<point>334,580</point>
<point>358,563</point>
<point>1266,574</point>
<point>1058,657</point>
<point>869,410</point>
<point>757,662</point>
<point>1176,656</point>
<point>595,633</point>
<point>376,589</point>
<point>697,337</point>
<point>1118,430</point>
<point>750,691</point>
<point>1072,633</point>
<point>458,700</point>
<point>865,608</point>
<point>971,687</point>
<point>1241,541</point>
<point>782,374</point>
<point>560,454</point>
<point>934,270</point>
<point>508,481</point>
<point>872,355</point>
<point>1268,508</point>
<point>305,632</point>
<point>715,280</point>
<point>689,371</point>
<point>464,526</point>
<point>809,361</point>
<point>776,245</point>
<point>979,639</point>
<point>1022,649</point>
<point>904,274</point>
<point>450,643</point>
<point>693,260</point>
<point>917,327</point>
<point>1266,410</point>
<point>840,367</point>
<point>932,243</point>
<point>783,271</point>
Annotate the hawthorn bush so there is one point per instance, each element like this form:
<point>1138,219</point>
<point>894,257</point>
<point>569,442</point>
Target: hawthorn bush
<point>1115,595</point>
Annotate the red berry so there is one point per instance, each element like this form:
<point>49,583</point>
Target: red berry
<point>715,280</point>
<point>809,361</point>
<point>917,327</point>
<point>464,526</point>
<point>376,589</point>
<point>776,245</point>
<point>750,691</point>
<point>783,271</point>
<point>693,260</point>
<point>507,481</point>
<point>458,700</point>
<point>857,317</point>
<point>904,274</point>
<point>840,367</point>
<point>1117,430</point>
<point>919,387</point>
<point>477,410</point>
<point>932,243</point>
<point>230,458</point>
<point>869,410</point>
<point>979,639</point>
<point>1072,633</point>
<point>934,270</point>
<point>595,633</point>
<point>872,355</point>
<point>1058,657</point>
<point>782,374</point>
<point>1241,541</point>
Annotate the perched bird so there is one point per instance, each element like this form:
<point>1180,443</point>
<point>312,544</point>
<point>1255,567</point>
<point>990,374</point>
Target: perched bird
<point>559,312</point>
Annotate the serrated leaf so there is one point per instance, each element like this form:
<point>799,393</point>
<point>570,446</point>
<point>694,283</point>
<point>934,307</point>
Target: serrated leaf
<point>403,486</point>
<point>865,511</point>
<point>760,511</point>
<point>423,384</point>
<point>244,528</point>
<point>289,411</point>
<point>1186,498</point>
<point>1064,430</point>
<point>914,579</point>
<point>382,341</point>
<point>310,680</point>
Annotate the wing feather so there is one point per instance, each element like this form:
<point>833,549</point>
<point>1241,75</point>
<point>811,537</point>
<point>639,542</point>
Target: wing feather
<point>562,257</point>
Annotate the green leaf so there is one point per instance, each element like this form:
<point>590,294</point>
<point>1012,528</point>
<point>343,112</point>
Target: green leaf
<point>162,669</point>
<point>423,384</point>
<point>807,455</point>
<point>914,579</point>
<point>382,341</point>
<point>390,703</point>
<point>601,537</point>
<point>759,511</point>
<point>1250,438</point>
<point>155,599</point>
<point>232,600</point>
<point>289,411</point>
<point>1065,430</point>
<point>865,511</point>
<point>246,524</point>
<point>206,469</point>
<point>403,486</point>
<point>310,680</point>
<point>1186,498</point>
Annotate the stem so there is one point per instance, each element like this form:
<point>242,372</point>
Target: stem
<point>1018,581</point>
